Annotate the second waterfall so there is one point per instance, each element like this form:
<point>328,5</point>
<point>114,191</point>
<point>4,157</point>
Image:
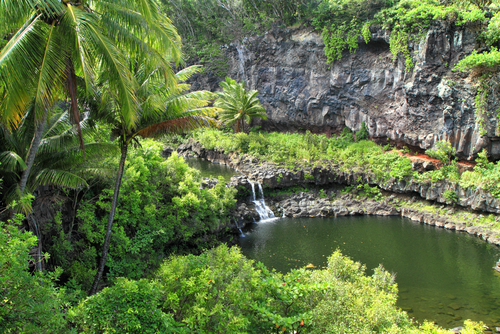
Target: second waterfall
<point>262,209</point>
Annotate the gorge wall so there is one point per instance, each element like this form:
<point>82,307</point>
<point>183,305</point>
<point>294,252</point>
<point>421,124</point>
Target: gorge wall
<point>300,91</point>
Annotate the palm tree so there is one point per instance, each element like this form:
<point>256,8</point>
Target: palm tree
<point>58,162</point>
<point>238,105</point>
<point>164,109</point>
<point>57,41</point>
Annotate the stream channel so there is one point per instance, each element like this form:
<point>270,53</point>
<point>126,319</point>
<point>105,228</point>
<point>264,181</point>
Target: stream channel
<point>443,276</point>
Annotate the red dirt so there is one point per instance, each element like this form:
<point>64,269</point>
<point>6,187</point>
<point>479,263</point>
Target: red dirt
<point>462,165</point>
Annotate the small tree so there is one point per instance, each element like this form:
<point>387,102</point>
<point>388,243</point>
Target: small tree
<point>443,151</point>
<point>238,105</point>
<point>362,133</point>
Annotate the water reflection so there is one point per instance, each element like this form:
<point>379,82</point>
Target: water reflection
<point>211,170</point>
<point>443,276</point>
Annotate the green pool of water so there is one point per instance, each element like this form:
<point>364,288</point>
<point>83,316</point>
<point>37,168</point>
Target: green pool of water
<point>211,170</point>
<point>443,276</point>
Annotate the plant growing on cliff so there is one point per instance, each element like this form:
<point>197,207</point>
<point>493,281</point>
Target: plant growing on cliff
<point>238,105</point>
<point>443,151</point>
<point>362,133</point>
<point>485,66</point>
<point>450,196</point>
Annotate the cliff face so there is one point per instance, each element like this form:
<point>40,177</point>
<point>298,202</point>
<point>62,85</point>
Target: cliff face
<point>302,92</point>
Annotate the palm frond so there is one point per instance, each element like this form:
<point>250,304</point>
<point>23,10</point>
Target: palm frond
<point>19,59</point>
<point>177,125</point>
<point>74,23</point>
<point>59,178</point>
<point>51,73</point>
<point>11,162</point>
<point>188,72</point>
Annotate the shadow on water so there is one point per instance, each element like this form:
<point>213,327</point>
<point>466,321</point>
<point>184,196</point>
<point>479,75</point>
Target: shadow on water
<point>211,170</point>
<point>442,275</point>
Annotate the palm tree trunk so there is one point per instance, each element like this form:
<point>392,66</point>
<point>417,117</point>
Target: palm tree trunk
<point>114,203</point>
<point>35,143</point>
<point>38,250</point>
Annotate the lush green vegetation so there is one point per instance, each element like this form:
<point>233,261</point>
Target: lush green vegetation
<point>28,303</point>
<point>207,25</point>
<point>294,149</point>
<point>237,105</point>
<point>114,60</point>
<point>219,291</point>
<point>161,208</point>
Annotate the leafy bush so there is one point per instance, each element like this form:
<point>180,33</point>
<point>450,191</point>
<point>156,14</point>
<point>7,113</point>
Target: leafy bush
<point>29,303</point>
<point>362,133</point>
<point>480,62</point>
<point>342,21</point>
<point>127,307</point>
<point>221,291</point>
<point>450,196</point>
<point>162,206</point>
<point>443,151</point>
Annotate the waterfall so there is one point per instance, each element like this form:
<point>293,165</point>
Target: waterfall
<point>241,60</point>
<point>260,205</point>
<point>239,229</point>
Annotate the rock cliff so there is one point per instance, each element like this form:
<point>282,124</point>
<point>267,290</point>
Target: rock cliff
<point>418,107</point>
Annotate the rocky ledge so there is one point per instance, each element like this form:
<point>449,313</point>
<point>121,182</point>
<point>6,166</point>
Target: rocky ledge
<point>325,173</point>
<point>333,203</point>
<point>421,202</point>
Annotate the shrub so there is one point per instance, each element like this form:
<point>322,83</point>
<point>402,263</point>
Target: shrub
<point>450,196</point>
<point>443,151</point>
<point>28,303</point>
<point>127,307</point>
<point>362,133</point>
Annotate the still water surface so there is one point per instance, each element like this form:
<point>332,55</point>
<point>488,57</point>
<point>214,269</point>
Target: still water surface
<point>211,170</point>
<point>442,275</point>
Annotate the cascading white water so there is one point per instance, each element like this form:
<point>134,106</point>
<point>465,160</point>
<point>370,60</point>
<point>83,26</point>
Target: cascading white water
<point>262,209</point>
<point>241,60</point>
<point>239,229</point>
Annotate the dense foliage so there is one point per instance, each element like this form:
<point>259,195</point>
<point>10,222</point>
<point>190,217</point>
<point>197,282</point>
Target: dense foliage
<point>221,291</point>
<point>350,155</point>
<point>161,207</point>
<point>93,54</point>
<point>206,25</point>
<point>28,303</point>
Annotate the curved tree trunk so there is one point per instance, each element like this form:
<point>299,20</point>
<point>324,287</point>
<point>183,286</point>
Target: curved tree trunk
<point>35,143</point>
<point>30,160</point>
<point>114,203</point>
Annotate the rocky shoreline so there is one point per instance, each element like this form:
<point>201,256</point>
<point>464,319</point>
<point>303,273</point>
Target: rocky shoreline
<point>423,203</point>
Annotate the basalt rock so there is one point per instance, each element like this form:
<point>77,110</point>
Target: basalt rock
<point>414,107</point>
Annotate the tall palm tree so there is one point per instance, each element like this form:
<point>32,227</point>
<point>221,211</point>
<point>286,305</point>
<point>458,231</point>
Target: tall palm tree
<point>56,41</point>
<point>238,105</point>
<point>58,162</point>
<point>164,109</point>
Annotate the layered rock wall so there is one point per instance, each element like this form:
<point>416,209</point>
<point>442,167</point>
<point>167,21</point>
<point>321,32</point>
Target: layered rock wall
<point>418,107</point>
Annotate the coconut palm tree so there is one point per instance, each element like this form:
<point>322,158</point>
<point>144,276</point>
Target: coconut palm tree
<point>238,105</point>
<point>163,109</point>
<point>55,42</point>
<point>59,162</point>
